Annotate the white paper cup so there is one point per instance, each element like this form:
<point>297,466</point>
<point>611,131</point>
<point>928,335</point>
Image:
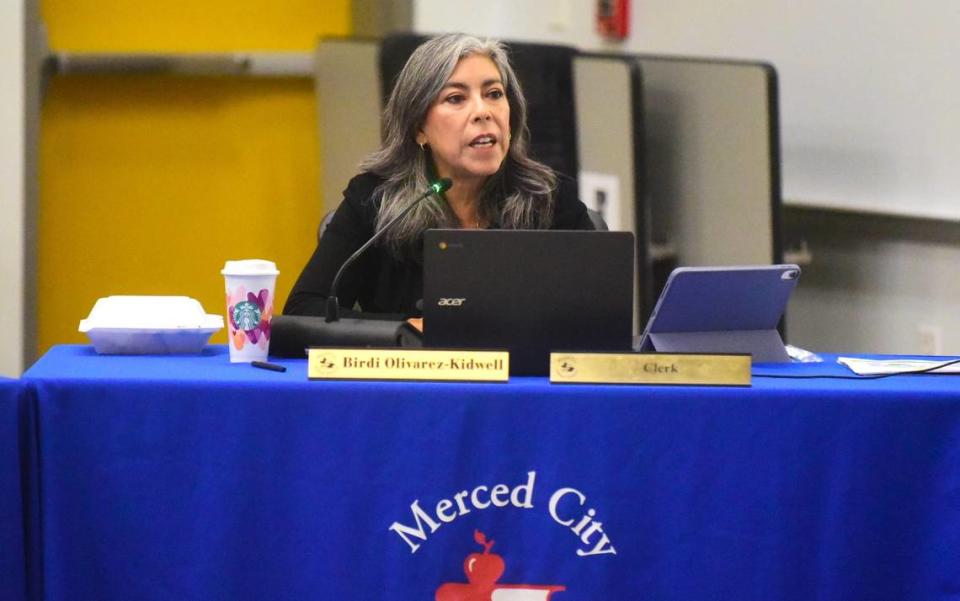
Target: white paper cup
<point>249,286</point>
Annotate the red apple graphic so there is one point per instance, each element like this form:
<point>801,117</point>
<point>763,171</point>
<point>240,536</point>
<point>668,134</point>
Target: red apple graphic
<point>483,568</point>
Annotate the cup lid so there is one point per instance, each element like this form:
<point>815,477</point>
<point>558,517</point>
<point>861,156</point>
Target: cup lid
<point>249,267</point>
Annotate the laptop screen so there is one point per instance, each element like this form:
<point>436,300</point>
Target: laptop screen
<point>528,291</point>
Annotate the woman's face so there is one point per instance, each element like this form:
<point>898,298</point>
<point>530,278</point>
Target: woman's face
<point>468,125</point>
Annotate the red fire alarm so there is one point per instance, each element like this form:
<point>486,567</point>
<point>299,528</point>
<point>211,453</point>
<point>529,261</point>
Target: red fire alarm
<point>613,18</point>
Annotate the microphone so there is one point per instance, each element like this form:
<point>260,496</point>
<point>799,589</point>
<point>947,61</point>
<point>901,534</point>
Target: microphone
<point>291,334</point>
<point>333,305</point>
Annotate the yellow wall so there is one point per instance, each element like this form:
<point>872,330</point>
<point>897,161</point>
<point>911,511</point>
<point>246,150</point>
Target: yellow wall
<point>149,183</point>
<point>191,25</point>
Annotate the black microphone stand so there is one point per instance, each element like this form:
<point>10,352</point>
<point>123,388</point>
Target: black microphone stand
<point>333,305</point>
<point>292,334</point>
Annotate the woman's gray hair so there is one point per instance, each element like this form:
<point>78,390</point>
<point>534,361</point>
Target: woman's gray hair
<point>518,196</point>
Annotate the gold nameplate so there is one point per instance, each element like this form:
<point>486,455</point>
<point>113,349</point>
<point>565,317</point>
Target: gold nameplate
<point>407,364</point>
<point>650,368</point>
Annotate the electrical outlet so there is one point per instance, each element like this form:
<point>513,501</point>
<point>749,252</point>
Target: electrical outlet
<point>930,339</point>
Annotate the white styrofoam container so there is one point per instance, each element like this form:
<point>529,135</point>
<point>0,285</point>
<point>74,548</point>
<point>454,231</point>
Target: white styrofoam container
<point>149,325</point>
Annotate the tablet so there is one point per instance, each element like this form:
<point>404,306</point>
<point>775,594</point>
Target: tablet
<point>722,310</point>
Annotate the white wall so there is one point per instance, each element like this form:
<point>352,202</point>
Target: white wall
<point>562,21</point>
<point>876,284</point>
<point>12,141</point>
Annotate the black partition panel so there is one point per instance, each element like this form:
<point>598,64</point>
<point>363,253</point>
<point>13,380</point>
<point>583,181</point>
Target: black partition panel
<point>546,76</point>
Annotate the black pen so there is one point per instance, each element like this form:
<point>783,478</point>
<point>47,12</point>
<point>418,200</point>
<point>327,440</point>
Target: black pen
<point>268,366</point>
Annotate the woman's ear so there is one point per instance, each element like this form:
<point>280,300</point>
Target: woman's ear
<point>421,139</point>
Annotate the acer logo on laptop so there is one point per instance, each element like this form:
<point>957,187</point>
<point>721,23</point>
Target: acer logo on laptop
<point>450,302</point>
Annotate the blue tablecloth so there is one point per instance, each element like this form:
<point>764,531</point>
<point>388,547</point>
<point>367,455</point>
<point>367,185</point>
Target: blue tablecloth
<point>13,487</point>
<point>189,478</point>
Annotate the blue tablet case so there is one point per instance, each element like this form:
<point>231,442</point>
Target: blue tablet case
<point>722,310</point>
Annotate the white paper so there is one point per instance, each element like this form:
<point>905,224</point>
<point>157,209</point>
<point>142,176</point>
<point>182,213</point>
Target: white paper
<point>601,192</point>
<point>878,367</point>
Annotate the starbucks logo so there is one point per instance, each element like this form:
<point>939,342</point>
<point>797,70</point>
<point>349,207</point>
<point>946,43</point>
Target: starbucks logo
<point>246,315</point>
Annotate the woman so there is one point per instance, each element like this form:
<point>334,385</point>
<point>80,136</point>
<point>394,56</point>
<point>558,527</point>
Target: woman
<point>456,111</point>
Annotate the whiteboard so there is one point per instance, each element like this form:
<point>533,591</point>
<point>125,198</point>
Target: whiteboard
<point>869,92</point>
